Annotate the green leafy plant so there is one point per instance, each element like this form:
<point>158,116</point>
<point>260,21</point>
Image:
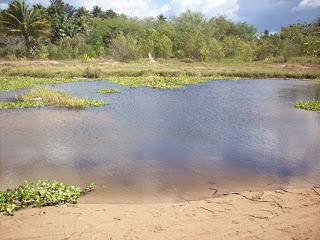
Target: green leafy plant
<point>44,56</point>
<point>84,57</point>
<point>108,90</point>
<point>308,105</point>
<point>12,57</point>
<point>43,193</point>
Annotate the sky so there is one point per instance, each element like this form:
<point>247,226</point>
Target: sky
<point>264,14</point>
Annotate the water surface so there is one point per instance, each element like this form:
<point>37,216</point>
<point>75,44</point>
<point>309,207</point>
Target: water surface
<point>151,145</point>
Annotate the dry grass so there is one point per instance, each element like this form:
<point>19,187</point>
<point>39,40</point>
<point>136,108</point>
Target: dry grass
<point>99,68</point>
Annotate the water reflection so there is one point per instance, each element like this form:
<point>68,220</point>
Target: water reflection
<point>168,145</point>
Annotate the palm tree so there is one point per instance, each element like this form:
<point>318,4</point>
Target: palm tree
<point>161,17</point>
<point>19,20</point>
<point>82,12</point>
<point>96,11</point>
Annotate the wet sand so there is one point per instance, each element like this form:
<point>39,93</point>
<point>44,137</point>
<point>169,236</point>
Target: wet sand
<point>280,214</point>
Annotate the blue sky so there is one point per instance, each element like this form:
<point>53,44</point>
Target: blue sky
<point>265,14</point>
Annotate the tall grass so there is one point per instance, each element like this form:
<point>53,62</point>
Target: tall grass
<point>43,96</point>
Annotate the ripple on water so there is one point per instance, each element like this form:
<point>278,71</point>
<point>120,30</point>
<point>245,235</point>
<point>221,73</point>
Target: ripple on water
<point>151,145</point>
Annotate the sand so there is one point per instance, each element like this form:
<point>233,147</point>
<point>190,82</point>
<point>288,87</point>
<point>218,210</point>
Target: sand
<point>281,214</point>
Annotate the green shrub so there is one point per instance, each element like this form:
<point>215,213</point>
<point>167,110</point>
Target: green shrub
<point>247,51</point>
<point>124,48</point>
<point>5,51</point>
<point>91,72</point>
<point>215,51</point>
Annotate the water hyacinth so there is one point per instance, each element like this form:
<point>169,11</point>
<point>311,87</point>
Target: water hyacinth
<point>43,193</point>
<point>308,105</point>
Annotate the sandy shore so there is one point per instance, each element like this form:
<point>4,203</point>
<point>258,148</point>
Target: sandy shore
<point>281,214</point>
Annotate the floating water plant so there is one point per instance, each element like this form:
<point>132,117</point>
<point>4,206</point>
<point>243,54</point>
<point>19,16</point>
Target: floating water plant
<point>308,105</point>
<point>153,81</point>
<point>108,90</point>
<point>43,96</point>
<point>43,193</point>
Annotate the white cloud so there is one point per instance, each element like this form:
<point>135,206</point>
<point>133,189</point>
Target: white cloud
<point>138,8</point>
<point>208,7</point>
<point>3,5</point>
<point>147,8</point>
<point>307,4</point>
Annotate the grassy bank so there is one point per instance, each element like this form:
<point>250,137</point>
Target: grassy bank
<point>43,96</point>
<point>163,74</point>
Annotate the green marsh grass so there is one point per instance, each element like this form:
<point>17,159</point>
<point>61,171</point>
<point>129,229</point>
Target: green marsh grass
<point>50,97</point>
<point>103,69</point>
<point>153,81</point>
<point>108,90</point>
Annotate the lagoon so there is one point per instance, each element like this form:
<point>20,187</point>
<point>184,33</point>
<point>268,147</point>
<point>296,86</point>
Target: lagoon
<point>152,145</point>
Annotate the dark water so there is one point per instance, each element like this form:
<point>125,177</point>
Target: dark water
<point>151,145</point>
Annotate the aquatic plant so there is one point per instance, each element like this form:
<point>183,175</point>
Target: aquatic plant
<point>163,82</point>
<point>153,81</point>
<point>43,193</point>
<point>308,105</point>
<point>44,96</point>
<point>108,90</point>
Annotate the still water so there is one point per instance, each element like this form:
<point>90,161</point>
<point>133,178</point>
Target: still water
<point>151,145</point>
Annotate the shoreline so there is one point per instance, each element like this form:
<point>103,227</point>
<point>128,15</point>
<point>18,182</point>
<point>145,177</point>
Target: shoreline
<point>280,214</point>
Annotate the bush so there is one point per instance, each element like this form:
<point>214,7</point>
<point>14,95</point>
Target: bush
<point>5,51</point>
<point>91,73</point>
<point>124,48</point>
<point>247,51</point>
<point>290,50</point>
<point>215,51</point>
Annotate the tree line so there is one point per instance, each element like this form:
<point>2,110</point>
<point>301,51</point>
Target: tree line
<point>62,31</point>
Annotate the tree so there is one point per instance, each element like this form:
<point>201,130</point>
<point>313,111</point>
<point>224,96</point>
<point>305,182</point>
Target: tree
<point>59,7</point>
<point>19,20</point>
<point>161,17</point>
<point>96,11</point>
<point>82,12</point>
<point>124,48</point>
<point>110,14</point>
<point>185,25</point>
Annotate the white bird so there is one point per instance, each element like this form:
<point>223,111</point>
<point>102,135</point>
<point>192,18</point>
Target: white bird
<point>151,58</point>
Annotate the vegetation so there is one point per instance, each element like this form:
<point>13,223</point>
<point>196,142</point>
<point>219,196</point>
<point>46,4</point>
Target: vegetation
<point>61,31</point>
<point>43,96</point>
<point>43,193</point>
<point>308,105</point>
<point>108,90</point>
<point>156,81</point>
<point>23,74</point>
<point>19,20</point>
<point>153,81</point>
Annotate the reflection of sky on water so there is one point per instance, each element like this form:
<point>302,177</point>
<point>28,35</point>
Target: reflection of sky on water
<point>167,140</point>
